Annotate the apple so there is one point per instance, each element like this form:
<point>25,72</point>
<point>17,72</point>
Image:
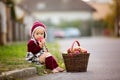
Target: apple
<point>40,39</point>
<point>77,52</point>
<point>83,50</point>
<point>69,50</point>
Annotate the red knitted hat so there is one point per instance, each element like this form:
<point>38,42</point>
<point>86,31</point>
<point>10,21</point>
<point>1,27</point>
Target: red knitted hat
<point>36,25</point>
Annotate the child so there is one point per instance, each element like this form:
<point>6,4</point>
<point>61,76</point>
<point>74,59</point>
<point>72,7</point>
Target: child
<point>36,45</point>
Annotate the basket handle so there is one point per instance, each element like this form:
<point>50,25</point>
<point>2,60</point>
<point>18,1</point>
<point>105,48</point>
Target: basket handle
<point>71,55</point>
<point>74,44</point>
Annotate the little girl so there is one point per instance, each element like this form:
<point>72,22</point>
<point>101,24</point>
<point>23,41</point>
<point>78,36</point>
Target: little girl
<point>36,45</point>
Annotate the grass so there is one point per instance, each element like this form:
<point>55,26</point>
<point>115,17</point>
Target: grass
<point>13,56</point>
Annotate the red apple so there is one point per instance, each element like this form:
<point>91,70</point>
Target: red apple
<point>40,39</point>
<point>77,52</point>
<point>69,50</point>
<point>83,50</point>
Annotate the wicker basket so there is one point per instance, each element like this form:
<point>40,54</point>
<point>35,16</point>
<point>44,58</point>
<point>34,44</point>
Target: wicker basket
<point>76,62</point>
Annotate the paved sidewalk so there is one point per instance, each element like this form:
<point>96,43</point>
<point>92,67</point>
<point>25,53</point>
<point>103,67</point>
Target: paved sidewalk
<point>18,74</point>
<point>104,61</point>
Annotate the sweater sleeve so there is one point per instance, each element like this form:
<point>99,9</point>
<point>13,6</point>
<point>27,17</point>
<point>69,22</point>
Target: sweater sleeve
<point>32,47</point>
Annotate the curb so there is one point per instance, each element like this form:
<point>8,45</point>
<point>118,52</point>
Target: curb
<point>22,73</point>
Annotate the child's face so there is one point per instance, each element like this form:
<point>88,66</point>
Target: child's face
<point>39,33</point>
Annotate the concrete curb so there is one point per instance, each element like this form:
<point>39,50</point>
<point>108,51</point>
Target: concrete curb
<point>22,73</point>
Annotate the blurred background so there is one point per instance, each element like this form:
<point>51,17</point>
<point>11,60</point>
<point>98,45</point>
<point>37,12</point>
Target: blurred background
<point>63,18</point>
<point>95,23</point>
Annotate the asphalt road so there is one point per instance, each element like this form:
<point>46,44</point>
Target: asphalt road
<point>104,61</point>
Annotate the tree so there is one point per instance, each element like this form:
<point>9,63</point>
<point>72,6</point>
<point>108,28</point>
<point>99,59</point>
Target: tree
<point>113,17</point>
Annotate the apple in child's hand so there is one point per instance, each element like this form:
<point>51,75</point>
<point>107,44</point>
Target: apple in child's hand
<point>40,39</point>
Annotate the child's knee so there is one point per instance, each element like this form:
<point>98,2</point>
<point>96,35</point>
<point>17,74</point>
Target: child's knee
<point>48,54</point>
<point>44,56</point>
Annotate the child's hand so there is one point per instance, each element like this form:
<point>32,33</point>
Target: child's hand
<point>41,42</point>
